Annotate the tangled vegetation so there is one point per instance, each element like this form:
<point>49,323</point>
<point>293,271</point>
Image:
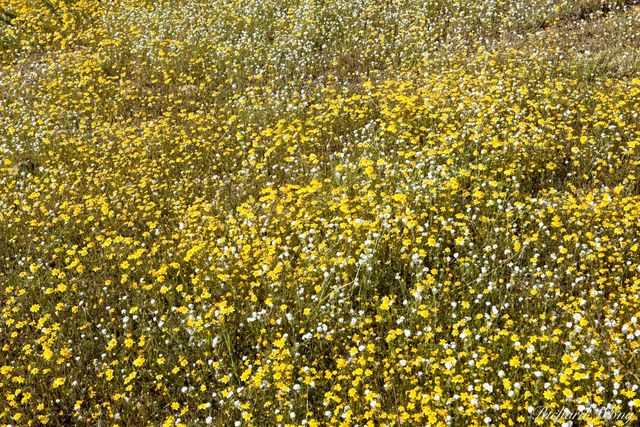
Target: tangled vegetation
<point>319,212</point>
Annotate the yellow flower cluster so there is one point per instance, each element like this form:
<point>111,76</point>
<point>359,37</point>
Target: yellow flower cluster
<point>348,213</point>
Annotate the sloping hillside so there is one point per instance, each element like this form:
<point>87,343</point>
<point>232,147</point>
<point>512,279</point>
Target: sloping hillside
<point>319,212</point>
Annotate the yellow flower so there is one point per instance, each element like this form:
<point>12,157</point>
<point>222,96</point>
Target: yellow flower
<point>47,354</point>
<point>58,382</point>
<point>514,362</point>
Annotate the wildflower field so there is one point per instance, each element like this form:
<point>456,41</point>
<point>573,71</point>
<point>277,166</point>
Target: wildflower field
<point>319,212</point>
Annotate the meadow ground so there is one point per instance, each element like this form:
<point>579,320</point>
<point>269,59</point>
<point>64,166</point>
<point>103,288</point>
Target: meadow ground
<point>319,212</point>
